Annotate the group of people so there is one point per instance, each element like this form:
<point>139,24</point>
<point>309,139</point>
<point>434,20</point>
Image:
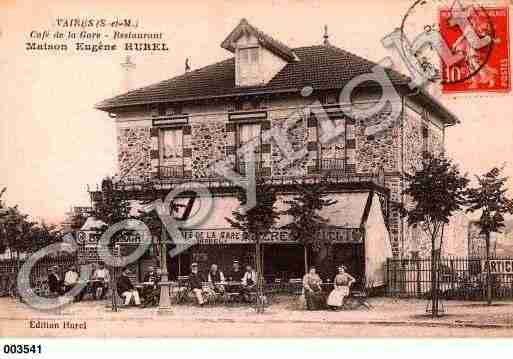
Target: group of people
<point>314,296</point>
<point>245,282</point>
<point>203,287</point>
<point>98,283</point>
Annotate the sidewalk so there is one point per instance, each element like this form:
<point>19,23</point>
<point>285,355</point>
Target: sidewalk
<point>385,311</point>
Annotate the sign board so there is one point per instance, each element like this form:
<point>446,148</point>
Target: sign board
<point>235,236</point>
<point>499,266</point>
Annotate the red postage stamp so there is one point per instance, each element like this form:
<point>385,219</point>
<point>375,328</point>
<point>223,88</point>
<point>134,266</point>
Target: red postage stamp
<point>483,69</point>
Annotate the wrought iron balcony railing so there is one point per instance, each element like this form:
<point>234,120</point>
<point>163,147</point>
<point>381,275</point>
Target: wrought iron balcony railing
<point>243,168</point>
<point>171,171</point>
<point>332,165</point>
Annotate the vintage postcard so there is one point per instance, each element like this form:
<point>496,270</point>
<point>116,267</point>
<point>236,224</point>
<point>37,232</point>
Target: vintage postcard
<point>276,168</point>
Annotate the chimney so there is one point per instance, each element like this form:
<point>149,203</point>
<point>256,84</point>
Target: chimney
<point>326,41</point>
<point>128,68</point>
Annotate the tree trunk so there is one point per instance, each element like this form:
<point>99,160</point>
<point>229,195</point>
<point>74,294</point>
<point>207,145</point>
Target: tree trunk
<point>114,290</point>
<point>488,271</point>
<point>258,260</point>
<point>434,291</point>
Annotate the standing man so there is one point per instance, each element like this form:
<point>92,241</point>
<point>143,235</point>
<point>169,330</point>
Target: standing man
<point>100,286</point>
<point>196,283</point>
<point>126,289</point>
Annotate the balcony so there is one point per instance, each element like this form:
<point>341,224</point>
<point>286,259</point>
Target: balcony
<point>332,166</point>
<point>243,169</point>
<point>171,171</point>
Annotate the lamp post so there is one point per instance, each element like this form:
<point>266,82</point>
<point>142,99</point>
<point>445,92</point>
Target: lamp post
<point>165,300</point>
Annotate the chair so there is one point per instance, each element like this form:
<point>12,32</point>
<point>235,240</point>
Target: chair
<point>360,295</point>
<point>232,294</point>
<point>296,286</point>
<point>183,289</point>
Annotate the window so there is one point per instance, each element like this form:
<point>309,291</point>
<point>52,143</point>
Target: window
<point>171,152</point>
<point>248,65</point>
<point>249,133</point>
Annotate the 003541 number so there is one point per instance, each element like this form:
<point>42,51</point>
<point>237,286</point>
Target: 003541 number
<point>22,349</point>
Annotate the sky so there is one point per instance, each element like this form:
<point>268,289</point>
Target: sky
<point>54,143</point>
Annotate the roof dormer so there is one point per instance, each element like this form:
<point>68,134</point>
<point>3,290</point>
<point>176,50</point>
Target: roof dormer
<point>258,57</point>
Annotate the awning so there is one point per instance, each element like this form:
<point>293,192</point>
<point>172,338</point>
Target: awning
<point>347,212</point>
<point>92,224</point>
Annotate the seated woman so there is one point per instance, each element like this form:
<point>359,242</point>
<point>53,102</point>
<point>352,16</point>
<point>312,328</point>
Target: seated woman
<point>313,291</point>
<point>341,285</point>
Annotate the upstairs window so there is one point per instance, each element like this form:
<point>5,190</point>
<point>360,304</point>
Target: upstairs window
<point>248,64</point>
<point>171,152</point>
<point>249,132</point>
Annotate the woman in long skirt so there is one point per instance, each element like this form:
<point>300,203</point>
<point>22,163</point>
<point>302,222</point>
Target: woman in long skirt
<point>313,292</point>
<point>341,285</point>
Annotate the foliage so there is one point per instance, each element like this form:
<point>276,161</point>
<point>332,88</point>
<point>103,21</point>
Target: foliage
<point>112,207</point>
<point>258,220</point>
<point>490,198</point>
<point>437,190</point>
<point>304,210</point>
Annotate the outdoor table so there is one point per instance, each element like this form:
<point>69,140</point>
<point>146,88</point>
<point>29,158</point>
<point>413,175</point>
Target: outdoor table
<point>231,286</point>
<point>144,284</point>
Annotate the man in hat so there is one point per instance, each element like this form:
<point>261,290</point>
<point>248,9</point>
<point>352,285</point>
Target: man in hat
<point>196,282</point>
<point>70,280</point>
<point>103,278</point>
<point>54,281</point>
<point>236,273</point>
<point>216,278</point>
<point>126,289</point>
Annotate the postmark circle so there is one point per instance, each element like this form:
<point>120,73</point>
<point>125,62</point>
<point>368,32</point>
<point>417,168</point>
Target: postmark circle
<point>472,60</point>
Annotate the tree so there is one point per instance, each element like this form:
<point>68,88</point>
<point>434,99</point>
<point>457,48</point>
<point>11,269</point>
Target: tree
<point>304,209</point>
<point>3,215</point>
<point>111,208</point>
<point>43,235</point>
<point>489,197</point>
<point>437,190</point>
<point>257,223</point>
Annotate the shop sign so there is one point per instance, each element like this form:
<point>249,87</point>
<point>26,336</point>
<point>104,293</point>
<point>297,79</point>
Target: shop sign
<point>499,266</point>
<point>235,236</point>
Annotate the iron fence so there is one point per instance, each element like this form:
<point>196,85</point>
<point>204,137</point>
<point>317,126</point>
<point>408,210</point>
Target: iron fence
<point>458,278</point>
<point>38,276</point>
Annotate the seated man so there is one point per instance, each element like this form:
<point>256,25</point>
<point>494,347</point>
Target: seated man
<point>216,277</point>
<point>70,280</point>
<point>151,293</point>
<point>196,284</point>
<point>150,276</point>
<point>54,281</point>
<point>313,291</point>
<point>100,286</point>
<point>126,289</point>
<point>236,273</point>
<point>249,281</point>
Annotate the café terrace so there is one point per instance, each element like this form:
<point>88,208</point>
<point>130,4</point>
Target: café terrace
<point>169,133</point>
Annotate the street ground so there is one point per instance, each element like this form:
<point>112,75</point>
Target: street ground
<point>387,318</point>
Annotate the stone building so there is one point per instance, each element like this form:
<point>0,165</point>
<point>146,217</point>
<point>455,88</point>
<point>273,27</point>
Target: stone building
<point>170,133</point>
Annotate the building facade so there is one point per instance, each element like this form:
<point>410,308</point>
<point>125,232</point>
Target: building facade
<point>171,132</point>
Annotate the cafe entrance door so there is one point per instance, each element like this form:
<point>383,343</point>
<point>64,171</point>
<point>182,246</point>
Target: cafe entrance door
<point>283,261</point>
